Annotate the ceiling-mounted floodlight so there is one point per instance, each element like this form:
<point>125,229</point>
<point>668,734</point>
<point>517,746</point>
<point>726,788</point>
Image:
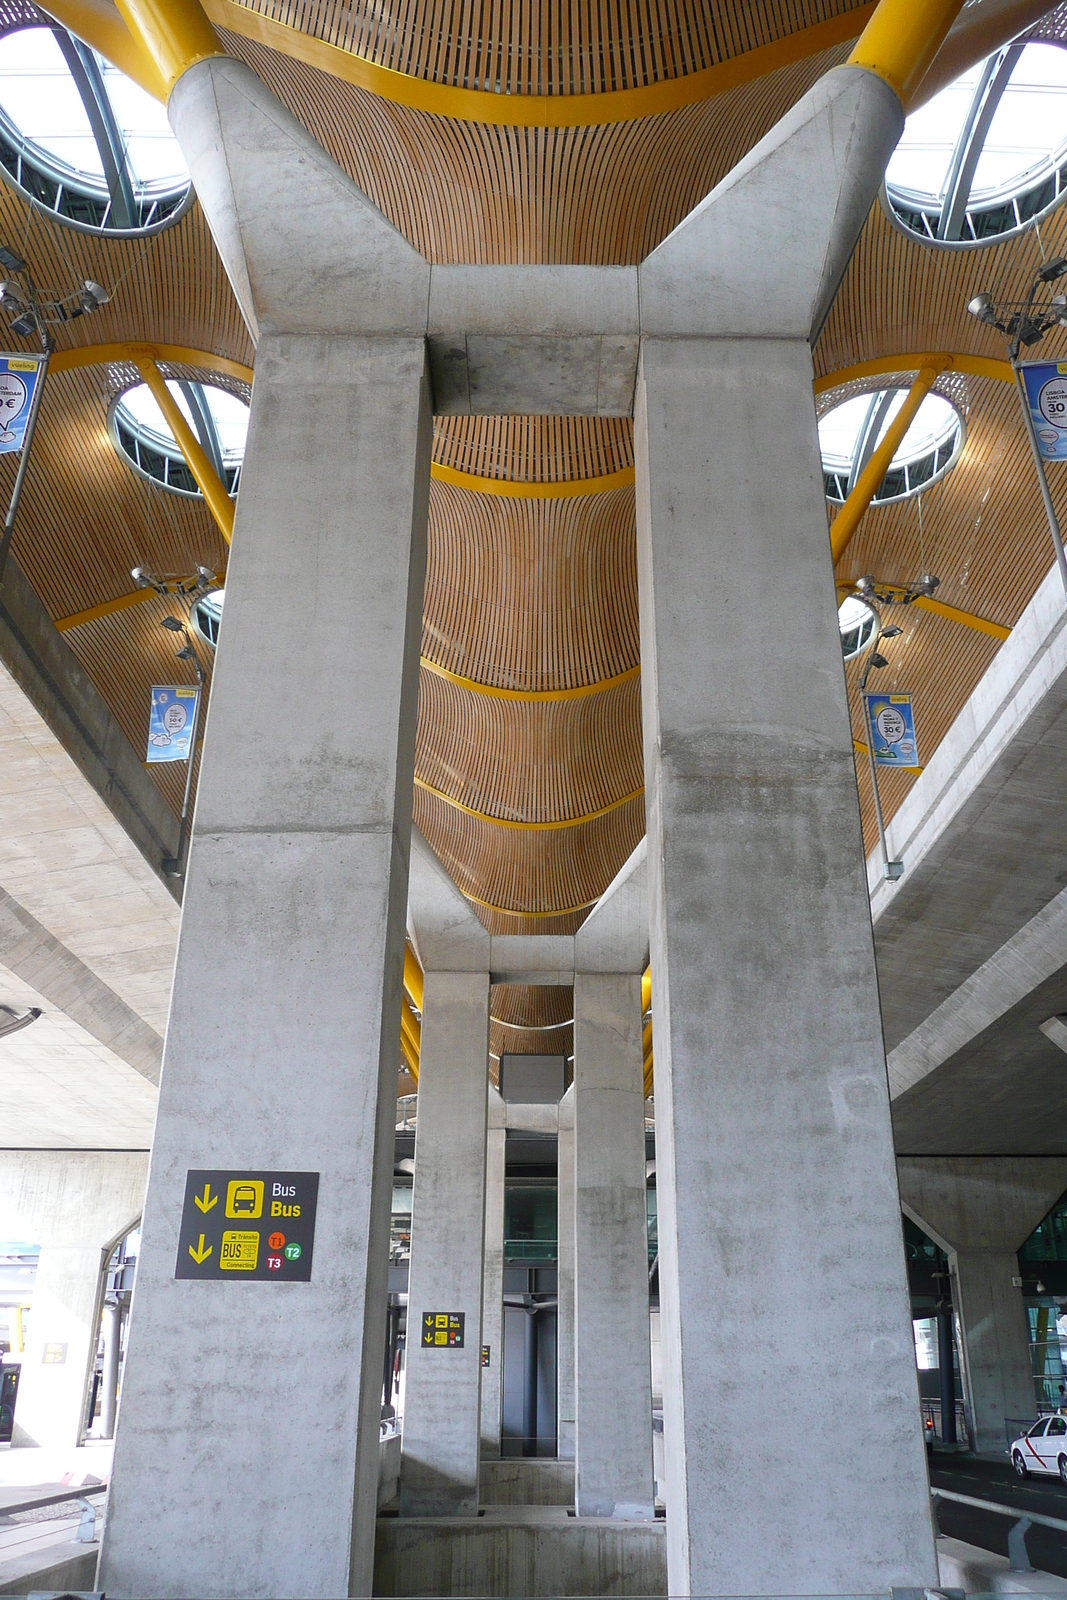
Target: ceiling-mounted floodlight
<point>11,1020</point>
<point>173,625</point>
<point>1053,269</point>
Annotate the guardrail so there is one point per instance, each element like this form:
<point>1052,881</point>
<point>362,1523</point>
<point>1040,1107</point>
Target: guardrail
<point>1017,1553</point>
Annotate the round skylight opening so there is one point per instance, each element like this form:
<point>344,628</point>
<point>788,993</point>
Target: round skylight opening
<point>849,434</point>
<point>988,155</point>
<point>858,625</point>
<point>82,140</point>
<point>207,616</point>
<point>141,434</point>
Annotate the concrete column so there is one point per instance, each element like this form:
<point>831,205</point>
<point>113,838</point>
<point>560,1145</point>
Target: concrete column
<point>76,1205</point>
<point>980,1210</point>
<point>442,1401</point>
<point>493,1274</point>
<point>109,1382</point>
<point>283,1039</point>
<point>612,1371</point>
<point>782,1274</point>
<point>565,1387</point>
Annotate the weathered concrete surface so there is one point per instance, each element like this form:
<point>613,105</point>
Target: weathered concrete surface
<point>513,1481</point>
<point>283,1037</point>
<point>532,1556</point>
<point>613,1454</point>
<point>442,1403</point>
<point>775,1172</point>
<point>493,1274</point>
<point>980,1212</point>
<point>76,1205</point>
<point>971,942</point>
<point>40,661</point>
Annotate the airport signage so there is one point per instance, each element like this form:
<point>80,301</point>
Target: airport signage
<point>1045,383</point>
<point>244,1227</point>
<point>891,725</point>
<point>443,1330</point>
<point>19,377</point>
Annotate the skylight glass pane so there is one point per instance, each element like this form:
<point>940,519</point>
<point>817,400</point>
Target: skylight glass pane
<point>42,101</point>
<point>140,406</point>
<point>1029,126</point>
<point>921,160</point>
<point>153,153</point>
<point>934,423</point>
<point>231,422</point>
<point>839,432</point>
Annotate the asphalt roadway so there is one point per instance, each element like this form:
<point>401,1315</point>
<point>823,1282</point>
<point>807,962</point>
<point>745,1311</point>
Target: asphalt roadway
<point>991,1480</point>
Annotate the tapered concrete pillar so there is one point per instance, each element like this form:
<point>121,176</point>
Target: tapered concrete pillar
<point>980,1210</point>
<point>493,1275</point>
<point>76,1205</point>
<point>613,1460</point>
<point>442,1400</point>
<point>775,1173</point>
<point>565,1393</point>
<point>283,1040</point>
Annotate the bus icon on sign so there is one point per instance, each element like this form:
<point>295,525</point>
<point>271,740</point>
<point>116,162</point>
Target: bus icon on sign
<point>244,1197</point>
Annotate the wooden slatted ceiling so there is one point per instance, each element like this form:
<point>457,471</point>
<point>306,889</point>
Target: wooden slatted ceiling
<point>523,592</point>
<point>551,47</point>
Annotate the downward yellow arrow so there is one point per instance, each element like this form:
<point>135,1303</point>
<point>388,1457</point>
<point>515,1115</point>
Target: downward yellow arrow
<point>208,1200</point>
<point>200,1255</point>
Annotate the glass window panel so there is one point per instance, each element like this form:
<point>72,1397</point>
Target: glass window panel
<point>41,99</point>
<point>921,160</point>
<point>839,431</point>
<point>231,422</point>
<point>1030,124</point>
<point>153,153</point>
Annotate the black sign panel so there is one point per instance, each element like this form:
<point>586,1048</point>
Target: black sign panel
<point>443,1330</point>
<point>248,1226</point>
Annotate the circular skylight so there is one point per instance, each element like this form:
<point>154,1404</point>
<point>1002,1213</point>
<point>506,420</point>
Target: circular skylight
<point>82,139</point>
<point>219,420</point>
<point>988,155</point>
<point>858,625</point>
<point>850,433</point>
<point>207,616</point>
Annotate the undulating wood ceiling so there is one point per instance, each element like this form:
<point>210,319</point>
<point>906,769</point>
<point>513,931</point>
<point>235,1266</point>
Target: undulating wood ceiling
<point>527,592</point>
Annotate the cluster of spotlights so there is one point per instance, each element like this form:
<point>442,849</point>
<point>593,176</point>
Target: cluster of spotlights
<point>28,313</point>
<point>1020,320</point>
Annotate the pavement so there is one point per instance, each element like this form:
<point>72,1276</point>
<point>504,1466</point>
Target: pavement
<point>40,1510</point>
<point>995,1480</point>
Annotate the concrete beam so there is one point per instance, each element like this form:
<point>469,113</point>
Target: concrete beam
<point>54,681</point>
<point>1056,1030</point>
<point>30,951</point>
<point>444,931</point>
<point>614,936</point>
<point>537,958</point>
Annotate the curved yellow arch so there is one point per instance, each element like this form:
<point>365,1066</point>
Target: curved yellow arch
<point>943,360</point>
<point>529,695</point>
<point>528,827</point>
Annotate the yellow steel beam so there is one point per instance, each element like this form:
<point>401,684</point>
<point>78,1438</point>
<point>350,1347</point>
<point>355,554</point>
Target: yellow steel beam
<point>529,695</point>
<point>174,34</point>
<point>901,40</point>
<point>211,485</point>
<point>413,977</point>
<point>848,518</point>
<point>646,990</point>
<point>943,360</point>
<point>410,1038</point>
<point>180,355</point>
<point>515,489</point>
<point>513,911</point>
<point>108,608</point>
<point>102,26</point>
<point>410,1059</point>
<point>996,630</point>
<point>534,827</point>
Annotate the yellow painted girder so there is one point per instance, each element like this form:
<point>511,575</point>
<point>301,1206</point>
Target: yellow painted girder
<point>901,40</point>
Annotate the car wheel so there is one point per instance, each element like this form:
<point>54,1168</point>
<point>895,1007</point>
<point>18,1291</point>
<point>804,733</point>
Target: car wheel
<point>1020,1465</point>
<point>1063,1468</point>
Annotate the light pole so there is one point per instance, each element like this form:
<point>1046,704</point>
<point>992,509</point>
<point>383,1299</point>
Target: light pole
<point>1023,323</point>
<point>174,866</point>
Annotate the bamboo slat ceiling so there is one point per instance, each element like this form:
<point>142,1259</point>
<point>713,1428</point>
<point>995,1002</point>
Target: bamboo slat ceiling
<point>525,592</point>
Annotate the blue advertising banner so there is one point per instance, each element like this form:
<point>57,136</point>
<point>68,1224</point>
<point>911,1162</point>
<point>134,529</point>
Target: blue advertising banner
<point>1046,395</point>
<point>170,721</point>
<point>891,724</point>
<point>19,377</point>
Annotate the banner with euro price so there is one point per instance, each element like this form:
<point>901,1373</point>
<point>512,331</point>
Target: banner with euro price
<point>170,722</point>
<point>891,725</point>
<point>19,377</point>
<point>1045,383</point>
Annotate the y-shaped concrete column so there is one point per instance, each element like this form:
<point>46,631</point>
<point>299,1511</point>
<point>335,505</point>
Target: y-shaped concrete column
<point>442,1399</point>
<point>493,1273</point>
<point>980,1210</point>
<point>283,1041</point>
<point>76,1205</point>
<point>613,1459</point>
<point>774,1154</point>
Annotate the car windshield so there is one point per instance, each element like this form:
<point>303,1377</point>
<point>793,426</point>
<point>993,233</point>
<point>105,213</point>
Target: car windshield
<point>1038,1429</point>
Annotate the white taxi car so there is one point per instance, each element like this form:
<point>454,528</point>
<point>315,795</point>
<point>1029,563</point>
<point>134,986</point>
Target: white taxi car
<point>1042,1448</point>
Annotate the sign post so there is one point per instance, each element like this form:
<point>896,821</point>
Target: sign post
<point>890,743</point>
